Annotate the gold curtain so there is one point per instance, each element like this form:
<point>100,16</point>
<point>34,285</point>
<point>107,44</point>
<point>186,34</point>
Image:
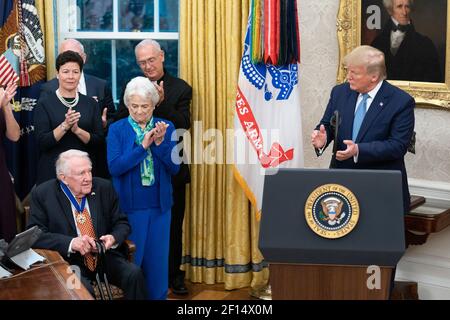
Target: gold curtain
<point>220,242</point>
<point>45,10</point>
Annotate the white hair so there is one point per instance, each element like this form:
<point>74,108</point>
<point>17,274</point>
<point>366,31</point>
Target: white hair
<point>142,87</point>
<point>73,42</point>
<point>145,43</point>
<point>389,5</point>
<point>62,163</point>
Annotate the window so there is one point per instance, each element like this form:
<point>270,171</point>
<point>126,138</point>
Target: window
<point>110,29</point>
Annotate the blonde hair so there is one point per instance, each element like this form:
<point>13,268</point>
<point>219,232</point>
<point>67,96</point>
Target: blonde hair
<point>369,57</point>
<point>142,87</point>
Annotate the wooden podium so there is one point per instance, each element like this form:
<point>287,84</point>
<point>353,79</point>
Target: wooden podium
<point>305,265</point>
<point>322,282</point>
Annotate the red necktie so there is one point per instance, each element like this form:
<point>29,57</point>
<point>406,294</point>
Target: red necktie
<point>84,224</point>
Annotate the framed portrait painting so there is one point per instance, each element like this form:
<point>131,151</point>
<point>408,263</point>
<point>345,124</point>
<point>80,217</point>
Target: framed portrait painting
<point>413,37</point>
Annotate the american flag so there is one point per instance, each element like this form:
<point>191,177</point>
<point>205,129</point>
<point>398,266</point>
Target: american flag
<point>7,73</point>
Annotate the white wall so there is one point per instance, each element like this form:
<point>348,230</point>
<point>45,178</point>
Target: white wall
<point>428,264</point>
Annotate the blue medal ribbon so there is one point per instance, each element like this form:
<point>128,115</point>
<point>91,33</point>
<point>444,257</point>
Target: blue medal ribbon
<point>68,193</point>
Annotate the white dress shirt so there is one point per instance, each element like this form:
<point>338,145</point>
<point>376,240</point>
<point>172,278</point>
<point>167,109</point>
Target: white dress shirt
<point>82,84</point>
<point>396,38</point>
<point>372,93</point>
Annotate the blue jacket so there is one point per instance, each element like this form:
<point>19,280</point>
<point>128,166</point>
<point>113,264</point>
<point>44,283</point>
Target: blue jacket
<point>124,155</point>
<point>384,135</point>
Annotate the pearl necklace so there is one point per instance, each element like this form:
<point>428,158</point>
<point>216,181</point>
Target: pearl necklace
<point>68,104</point>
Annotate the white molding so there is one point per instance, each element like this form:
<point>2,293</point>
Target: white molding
<point>432,274</point>
<point>114,71</point>
<point>156,15</point>
<point>429,264</point>
<point>436,193</point>
<point>116,15</point>
<point>121,35</point>
<point>433,292</point>
<point>427,260</point>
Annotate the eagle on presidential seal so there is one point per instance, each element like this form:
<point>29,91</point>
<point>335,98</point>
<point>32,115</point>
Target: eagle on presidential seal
<point>332,210</point>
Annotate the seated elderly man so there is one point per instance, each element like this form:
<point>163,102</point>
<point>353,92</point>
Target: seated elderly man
<point>74,210</point>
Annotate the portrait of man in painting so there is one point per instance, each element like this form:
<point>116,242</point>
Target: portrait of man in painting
<point>411,33</point>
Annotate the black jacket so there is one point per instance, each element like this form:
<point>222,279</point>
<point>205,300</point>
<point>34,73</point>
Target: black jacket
<point>416,59</point>
<point>49,114</point>
<point>51,212</point>
<point>95,87</point>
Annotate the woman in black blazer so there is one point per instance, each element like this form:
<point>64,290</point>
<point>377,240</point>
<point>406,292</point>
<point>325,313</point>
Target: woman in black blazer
<point>65,119</point>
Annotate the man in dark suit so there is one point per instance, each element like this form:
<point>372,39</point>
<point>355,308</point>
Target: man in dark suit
<point>96,88</point>
<point>377,119</point>
<point>409,55</point>
<point>174,106</point>
<point>74,210</point>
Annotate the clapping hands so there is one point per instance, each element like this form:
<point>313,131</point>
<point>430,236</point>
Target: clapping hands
<point>155,135</point>
<point>71,120</point>
<point>7,94</point>
<point>160,131</point>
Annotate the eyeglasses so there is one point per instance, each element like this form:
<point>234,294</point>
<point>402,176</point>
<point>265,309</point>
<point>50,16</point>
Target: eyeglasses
<point>149,61</point>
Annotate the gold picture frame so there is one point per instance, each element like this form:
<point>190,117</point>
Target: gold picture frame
<point>426,94</point>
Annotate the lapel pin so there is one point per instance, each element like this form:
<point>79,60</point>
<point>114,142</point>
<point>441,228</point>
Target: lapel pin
<point>381,104</point>
<point>92,193</point>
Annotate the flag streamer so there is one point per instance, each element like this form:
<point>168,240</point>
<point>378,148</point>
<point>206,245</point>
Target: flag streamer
<point>275,37</point>
<point>257,40</point>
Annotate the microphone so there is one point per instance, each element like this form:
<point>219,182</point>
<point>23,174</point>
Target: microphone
<point>335,122</point>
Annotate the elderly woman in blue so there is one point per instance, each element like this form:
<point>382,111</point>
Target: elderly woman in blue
<point>139,160</point>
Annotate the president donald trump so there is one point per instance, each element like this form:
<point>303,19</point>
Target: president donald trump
<point>377,118</point>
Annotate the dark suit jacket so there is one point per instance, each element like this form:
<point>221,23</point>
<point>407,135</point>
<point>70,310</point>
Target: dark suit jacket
<point>384,135</point>
<point>176,108</point>
<point>51,212</point>
<point>48,114</point>
<point>416,59</point>
<point>95,87</point>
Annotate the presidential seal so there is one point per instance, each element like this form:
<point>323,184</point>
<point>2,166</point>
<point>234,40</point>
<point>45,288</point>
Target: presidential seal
<point>332,211</point>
